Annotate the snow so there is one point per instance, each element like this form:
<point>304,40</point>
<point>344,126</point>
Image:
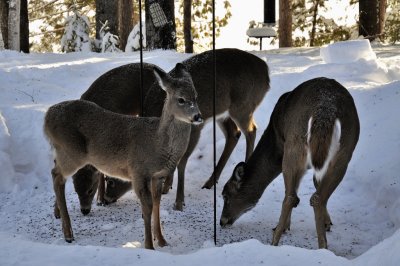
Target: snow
<point>365,209</point>
<point>346,52</point>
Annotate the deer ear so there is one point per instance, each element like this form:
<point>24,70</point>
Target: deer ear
<point>239,172</point>
<point>161,77</point>
<point>181,70</point>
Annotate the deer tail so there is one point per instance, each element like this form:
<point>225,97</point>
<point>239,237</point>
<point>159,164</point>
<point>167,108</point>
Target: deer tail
<point>323,139</point>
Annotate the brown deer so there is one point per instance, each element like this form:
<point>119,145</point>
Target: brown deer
<point>242,82</point>
<point>315,125</point>
<point>119,95</point>
<point>142,150</point>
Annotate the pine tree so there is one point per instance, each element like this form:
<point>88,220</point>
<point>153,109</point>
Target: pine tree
<point>315,28</point>
<point>50,15</point>
<point>392,22</point>
<point>76,34</point>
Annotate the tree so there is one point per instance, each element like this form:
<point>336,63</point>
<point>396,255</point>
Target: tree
<point>382,12</point>
<point>201,29</point>
<point>4,24</point>
<point>392,22</point>
<point>187,25</point>
<point>368,22</point>
<point>51,15</point>
<point>125,21</point>
<point>160,24</point>
<point>24,27</point>
<point>119,16</point>
<point>76,34</point>
<point>106,11</point>
<point>285,23</point>
<point>315,28</point>
<point>14,25</point>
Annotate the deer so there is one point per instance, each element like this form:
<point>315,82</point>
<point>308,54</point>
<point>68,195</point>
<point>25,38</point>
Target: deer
<point>242,83</point>
<point>119,95</point>
<point>314,126</point>
<point>144,150</point>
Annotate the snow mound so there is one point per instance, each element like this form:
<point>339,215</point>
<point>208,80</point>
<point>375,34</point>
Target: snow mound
<point>347,52</point>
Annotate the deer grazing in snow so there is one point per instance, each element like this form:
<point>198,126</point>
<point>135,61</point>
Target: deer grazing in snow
<point>242,82</point>
<point>141,150</point>
<point>315,125</point>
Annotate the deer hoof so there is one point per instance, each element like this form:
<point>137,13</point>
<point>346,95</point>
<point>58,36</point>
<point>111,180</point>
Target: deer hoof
<point>178,206</point>
<point>166,189</point>
<point>162,243</point>
<point>209,184</point>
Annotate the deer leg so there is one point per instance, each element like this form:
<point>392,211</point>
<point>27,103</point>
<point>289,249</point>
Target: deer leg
<point>156,190</point>
<point>232,135</point>
<point>147,206</point>
<point>250,135</point>
<point>319,199</point>
<point>180,193</point>
<point>101,190</point>
<point>168,184</point>
<point>293,169</point>
<point>327,218</point>
<point>60,206</point>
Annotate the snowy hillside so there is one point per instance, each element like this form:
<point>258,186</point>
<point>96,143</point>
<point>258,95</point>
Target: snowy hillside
<point>365,209</point>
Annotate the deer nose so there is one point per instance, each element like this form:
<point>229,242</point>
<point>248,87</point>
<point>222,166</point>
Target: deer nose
<point>85,211</point>
<point>197,119</point>
<point>224,222</point>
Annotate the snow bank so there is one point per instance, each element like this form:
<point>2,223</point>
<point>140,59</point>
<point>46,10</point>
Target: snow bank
<point>7,170</point>
<point>250,252</point>
<point>347,52</point>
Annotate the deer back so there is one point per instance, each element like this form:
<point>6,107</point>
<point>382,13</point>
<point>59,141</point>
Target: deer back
<point>242,82</point>
<point>307,116</point>
<point>118,89</point>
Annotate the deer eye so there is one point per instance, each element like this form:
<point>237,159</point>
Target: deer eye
<point>181,101</point>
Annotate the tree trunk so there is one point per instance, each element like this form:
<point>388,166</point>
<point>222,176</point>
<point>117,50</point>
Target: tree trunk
<point>14,25</point>
<point>368,26</point>
<point>381,22</point>
<point>24,28</point>
<point>314,22</point>
<point>106,10</point>
<point>125,21</point>
<point>187,25</point>
<point>160,26</point>
<point>3,24</point>
<point>285,23</point>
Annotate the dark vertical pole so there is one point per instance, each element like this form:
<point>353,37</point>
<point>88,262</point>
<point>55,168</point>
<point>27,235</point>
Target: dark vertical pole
<point>269,11</point>
<point>141,58</point>
<point>214,124</point>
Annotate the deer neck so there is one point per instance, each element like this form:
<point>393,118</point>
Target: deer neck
<point>264,165</point>
<point>169,124</point>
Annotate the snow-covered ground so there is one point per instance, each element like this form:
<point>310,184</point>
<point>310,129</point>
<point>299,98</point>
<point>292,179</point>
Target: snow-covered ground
<point>365,209</point>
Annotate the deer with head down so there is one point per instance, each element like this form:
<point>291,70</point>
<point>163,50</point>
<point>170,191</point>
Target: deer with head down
<point>141,150</point>
<point>242,82</point>
<point>316,125</point>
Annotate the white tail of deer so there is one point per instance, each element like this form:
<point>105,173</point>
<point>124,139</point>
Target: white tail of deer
<point>315,125</point>
<point>141,150</point>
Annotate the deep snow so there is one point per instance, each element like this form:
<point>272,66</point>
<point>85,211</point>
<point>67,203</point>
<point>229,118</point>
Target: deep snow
<point>365,209</point>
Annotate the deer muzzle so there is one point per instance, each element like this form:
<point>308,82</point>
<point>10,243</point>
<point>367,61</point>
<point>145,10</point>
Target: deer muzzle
<point>197,119</point>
